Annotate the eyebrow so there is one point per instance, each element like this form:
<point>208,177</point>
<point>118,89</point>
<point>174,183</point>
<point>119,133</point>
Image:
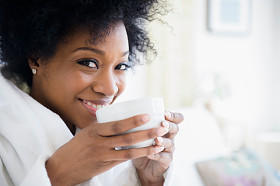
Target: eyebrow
<point>97,51</point>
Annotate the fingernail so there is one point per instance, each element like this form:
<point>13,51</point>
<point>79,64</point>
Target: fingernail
<point>160,140</point>
<point>168,114</point>
<point>145,118</point>
<point>165,124</point>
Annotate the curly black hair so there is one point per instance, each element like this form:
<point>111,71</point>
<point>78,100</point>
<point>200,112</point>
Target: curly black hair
<point>32,29</point>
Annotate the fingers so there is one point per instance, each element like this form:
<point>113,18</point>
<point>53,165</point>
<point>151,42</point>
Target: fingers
<point>167,143</point>
<point>173,129</point>
<point>136,137</point>
<point>118,127</point>
<point>174,117</point>
<point>135,153</point>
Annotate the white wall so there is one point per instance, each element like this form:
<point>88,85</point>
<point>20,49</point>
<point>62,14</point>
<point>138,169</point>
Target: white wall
<point>248,63</point>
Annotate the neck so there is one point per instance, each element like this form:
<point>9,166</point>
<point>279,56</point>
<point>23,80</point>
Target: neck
<point>69,125</point>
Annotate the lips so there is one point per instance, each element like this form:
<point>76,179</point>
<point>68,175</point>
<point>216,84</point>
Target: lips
<point>93,106</point>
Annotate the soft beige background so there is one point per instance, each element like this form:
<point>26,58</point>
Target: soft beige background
<point>238,75</point>
<point>171,74</point>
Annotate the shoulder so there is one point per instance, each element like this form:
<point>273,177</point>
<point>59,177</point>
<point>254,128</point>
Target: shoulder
<point>10,93</point>
<point>25,121</point>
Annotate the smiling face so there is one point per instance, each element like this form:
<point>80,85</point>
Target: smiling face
<point>82,76</point>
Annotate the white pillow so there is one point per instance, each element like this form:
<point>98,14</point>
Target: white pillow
<point>199,139</point>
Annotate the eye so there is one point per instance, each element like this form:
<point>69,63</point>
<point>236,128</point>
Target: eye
<point>123,66</point>
<point>91,63</point>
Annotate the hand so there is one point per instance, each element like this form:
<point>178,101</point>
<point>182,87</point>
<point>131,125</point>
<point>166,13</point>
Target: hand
<point>151,168</point>
<point>92,150</point>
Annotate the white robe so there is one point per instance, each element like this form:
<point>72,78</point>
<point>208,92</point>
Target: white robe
<point>30,133</point>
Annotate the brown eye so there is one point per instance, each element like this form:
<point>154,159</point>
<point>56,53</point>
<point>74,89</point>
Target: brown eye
<point>91,63</point>
<point>123,66</point>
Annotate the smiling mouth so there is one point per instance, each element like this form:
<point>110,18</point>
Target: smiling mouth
<point>92,107</point>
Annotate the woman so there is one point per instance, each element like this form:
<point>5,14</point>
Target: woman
<point>73,57</point>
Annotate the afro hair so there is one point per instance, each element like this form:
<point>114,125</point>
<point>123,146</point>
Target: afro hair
<point>33,29</point>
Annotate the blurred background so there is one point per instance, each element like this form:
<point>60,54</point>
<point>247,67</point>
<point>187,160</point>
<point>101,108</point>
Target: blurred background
<point>218,64</point>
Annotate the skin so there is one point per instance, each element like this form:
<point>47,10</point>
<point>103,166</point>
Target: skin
<point>65,81</point>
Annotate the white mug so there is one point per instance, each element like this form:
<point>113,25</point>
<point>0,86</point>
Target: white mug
<point>119,111</point>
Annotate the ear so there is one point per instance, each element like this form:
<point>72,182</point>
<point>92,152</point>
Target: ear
<point>33,62</point>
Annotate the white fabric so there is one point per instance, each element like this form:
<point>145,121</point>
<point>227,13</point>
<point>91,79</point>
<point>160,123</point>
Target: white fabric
<point>30,134</point>
<point>199,139</point>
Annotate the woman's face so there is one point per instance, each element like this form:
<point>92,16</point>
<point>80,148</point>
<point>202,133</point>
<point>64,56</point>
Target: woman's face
<point>82,77</point>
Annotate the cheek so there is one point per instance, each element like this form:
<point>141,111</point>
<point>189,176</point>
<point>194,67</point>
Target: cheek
<point>68,85</point>
<point>76,83</point>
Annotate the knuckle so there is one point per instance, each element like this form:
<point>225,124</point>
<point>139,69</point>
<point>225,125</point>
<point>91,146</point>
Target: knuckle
<point>152,133</point>
<point>176,115</point>
<point>116,128</point>
<point>182,116</point>
<point>155,132</point>
<point>108,142</point>
<point>179,117</point>
<point>137,121</point>
<point>172,114</point>
<point>128,139</point>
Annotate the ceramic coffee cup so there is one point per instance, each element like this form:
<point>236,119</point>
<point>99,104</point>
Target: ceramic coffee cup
<point>119,111</point>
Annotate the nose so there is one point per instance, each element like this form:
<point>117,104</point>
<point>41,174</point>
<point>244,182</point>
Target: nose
<point>106,84</point>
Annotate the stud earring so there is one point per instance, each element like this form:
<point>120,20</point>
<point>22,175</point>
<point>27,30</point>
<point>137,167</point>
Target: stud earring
<point>34,71</point>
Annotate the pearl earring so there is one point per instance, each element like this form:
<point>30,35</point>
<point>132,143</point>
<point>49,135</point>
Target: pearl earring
<point>34,71</point>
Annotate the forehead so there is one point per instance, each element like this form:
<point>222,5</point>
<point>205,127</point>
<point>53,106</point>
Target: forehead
<point>114,38</point>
